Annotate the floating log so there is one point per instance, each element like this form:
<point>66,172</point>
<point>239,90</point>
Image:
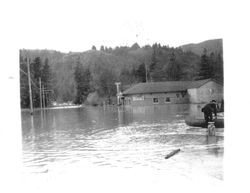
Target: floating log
<point>172,153</point>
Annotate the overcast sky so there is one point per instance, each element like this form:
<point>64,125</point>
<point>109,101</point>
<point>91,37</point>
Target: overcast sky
<point>77,25</point>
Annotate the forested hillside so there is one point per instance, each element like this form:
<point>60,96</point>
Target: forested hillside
<point>89,77</point>
<point>214,46</point>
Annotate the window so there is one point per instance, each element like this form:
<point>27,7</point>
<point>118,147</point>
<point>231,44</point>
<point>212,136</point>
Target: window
<point>155,100</point>
<point>167,100</point>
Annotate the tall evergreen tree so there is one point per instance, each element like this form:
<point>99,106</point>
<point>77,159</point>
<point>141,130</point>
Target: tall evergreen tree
<point>140,73</point>
<point>213,63</point>
<point>135,46</point>
<point>174,69</point>
<point>46,74</point>
<point>206,69</point>
<point>36,74</point>
<point>127,77</point>
<point>153,64</point>
<point>102,48</point>
<point>86,89</point>
<point>46,79</point>
<point>82,79</point>
<point>219,67</point>
<point>78,75</point>
<point>107,83</point>
<point>36,69</point>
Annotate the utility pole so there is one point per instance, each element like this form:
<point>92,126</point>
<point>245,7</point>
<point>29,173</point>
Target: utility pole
<point>40,88</point>
<point>146,70</point>
<point>118,92</point>
<point>30,91</point>
<point>43,98</point>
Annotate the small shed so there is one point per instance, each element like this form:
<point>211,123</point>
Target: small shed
<point>203,91</point>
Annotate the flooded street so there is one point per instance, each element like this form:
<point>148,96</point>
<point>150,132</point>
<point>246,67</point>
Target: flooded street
<point>64,141</point>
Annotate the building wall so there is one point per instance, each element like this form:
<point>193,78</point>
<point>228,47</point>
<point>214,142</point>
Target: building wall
<point>207,92</point>
<point>162,98</point>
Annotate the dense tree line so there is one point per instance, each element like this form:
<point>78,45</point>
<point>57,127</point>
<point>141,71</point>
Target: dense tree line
<point>90,76</point>
<point>211,66</point>
<point>38,71</point>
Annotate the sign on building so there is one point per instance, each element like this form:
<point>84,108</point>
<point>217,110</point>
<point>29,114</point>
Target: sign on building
<point>138,98</point>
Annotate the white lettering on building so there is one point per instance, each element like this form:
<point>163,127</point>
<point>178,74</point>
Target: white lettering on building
<point>138,98</point>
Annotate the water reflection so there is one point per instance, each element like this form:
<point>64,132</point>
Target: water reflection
<point>118,137</point>
<point>154,114</point>
<point>121,115</point>
<point>213,141</point>
<point>32,132</point>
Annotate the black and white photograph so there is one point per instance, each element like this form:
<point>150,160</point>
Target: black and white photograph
<point>120,96</point>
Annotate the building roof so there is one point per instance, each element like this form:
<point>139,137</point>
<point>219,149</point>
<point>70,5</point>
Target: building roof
<point>160,87</point>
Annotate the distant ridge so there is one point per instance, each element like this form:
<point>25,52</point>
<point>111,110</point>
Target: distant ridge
<point>214,45</point>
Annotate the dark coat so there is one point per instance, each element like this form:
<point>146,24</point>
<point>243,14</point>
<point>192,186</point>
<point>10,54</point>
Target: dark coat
<point>209,109</point>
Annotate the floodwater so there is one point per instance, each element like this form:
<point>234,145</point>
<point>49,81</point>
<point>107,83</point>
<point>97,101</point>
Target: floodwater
<point>95,139</point>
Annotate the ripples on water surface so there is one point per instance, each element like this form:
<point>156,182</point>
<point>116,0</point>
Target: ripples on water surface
<point>56,141</point>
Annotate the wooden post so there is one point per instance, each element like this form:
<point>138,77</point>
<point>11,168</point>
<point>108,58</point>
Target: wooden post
<point>40,88</point>
<point>30,91</point>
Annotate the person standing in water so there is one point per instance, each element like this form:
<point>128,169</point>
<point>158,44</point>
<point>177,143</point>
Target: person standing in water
<point>208,111</point>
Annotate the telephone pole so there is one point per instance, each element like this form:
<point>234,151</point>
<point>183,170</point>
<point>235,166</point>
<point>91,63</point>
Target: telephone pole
<point>146,70</point>
<point>40,88</point>
<point>118,92</point>
<point>30,91</point>
<point>43,98</point>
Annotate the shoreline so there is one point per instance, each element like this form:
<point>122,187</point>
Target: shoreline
<point>56,107</point>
